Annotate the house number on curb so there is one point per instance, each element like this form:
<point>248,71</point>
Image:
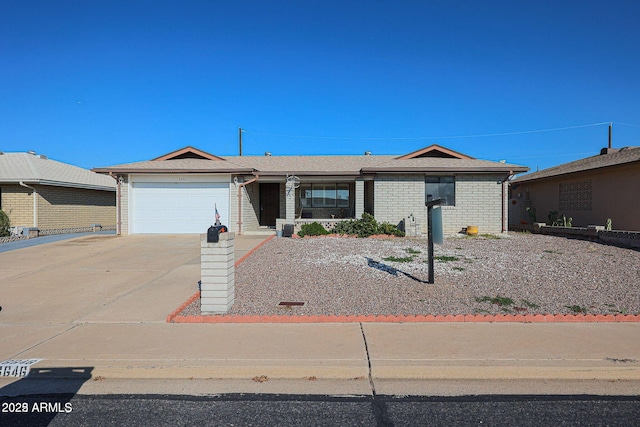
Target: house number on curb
<point>16,368</point>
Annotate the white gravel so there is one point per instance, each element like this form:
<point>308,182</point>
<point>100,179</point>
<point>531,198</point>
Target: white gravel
<point>540,274</point>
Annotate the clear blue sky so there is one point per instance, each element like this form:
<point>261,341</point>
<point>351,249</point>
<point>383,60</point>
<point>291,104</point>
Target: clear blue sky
<point>98,83</point>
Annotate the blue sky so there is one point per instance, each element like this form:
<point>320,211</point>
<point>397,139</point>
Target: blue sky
<point>98,83</point>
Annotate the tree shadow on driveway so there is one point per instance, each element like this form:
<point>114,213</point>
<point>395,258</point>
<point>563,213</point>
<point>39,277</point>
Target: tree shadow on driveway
<point>391,270</point>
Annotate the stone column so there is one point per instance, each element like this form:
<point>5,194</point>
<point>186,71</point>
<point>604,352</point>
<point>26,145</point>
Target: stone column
<point>217,274</point>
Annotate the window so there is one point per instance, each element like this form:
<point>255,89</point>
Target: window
<point>441,187</point>
<point>343,195</point>
<point>324,195</point>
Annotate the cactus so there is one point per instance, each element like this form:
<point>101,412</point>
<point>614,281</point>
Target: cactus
<point>532,215</point>
<point>569,222</point>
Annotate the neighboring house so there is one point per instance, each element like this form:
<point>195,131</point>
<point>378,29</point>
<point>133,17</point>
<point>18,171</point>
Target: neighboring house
<point>589,190</point>
<point>54,197</point>
<point>177,192</point>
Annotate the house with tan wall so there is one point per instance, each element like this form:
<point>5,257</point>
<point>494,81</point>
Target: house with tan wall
<point>54,197</point>
<point>179,192</point>
<point>589,190</point>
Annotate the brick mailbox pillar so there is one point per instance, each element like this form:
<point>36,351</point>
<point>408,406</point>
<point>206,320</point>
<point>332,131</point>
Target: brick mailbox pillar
<point>217,274</point>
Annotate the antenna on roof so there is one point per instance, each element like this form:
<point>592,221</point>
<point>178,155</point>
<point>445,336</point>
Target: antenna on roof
<point>610,134</point>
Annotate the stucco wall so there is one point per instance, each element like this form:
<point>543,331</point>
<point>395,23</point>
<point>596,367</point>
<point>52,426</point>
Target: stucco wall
<point>479,201</point>
<point>615,194</point>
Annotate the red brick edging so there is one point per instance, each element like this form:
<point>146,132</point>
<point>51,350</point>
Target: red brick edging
<point>428,318</point>
<point>175,317</point>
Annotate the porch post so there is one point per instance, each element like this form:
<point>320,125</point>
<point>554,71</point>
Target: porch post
<point>359,197</point>
<point>290,204</point>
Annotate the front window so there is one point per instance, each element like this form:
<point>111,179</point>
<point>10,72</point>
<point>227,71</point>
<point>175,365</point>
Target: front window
<point>324,195</point>
<point>441,187</point>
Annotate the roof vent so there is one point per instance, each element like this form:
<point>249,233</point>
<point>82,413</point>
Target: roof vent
<point>33,153</point>
<point>42,156</point>
<point>608,150</point>
<point>267,153</point>
<point>367,153</point>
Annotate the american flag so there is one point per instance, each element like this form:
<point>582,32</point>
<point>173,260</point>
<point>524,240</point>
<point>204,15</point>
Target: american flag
<point>217,217</point>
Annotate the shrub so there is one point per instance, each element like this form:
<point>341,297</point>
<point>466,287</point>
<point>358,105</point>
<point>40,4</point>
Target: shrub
<point>4,224</point>
<point>313,229</point>
<point>365,227</point>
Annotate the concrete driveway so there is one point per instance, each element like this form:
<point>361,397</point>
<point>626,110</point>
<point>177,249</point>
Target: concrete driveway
<point>102,278</point>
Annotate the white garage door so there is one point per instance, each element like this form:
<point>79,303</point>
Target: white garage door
<point>182,207</point>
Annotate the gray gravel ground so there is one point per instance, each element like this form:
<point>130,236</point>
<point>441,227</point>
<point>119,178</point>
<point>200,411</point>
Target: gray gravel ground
<point>342,276</point>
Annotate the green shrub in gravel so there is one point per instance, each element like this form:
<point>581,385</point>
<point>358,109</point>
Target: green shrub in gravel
<point>4,224</point>
<point>398,259</point>
<point>313,229</point>
<point>366,226</point>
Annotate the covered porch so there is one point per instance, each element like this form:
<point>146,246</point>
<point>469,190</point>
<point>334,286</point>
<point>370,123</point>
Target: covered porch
<point>326,200</point>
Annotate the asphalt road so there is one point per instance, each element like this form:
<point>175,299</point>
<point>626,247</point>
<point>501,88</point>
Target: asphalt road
<point>305,410</point>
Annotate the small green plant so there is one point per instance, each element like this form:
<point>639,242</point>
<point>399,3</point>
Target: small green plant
<point>313,229</point>
<point>458,268</point>
<point>366,226</point>
<point>614,309</point>
<point>446,258</point>
<point>576,308</point>
<point>498,300</point>
<point>412,251</point>
<point>4,224</point>
<point>532,215</point>
<point>398,259</point>
<point>529,304</point>
<point>609,224</point>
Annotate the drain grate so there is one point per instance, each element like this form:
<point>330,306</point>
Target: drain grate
<point>291,303</point>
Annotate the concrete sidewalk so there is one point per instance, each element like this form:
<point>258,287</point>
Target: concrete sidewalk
<point>100,303</point>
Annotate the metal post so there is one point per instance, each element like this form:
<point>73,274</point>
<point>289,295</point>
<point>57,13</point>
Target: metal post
<point>430,204</point>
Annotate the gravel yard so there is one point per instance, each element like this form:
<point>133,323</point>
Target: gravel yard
<point>517,273</point>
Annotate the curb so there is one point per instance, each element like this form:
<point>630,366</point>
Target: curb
<point>429,318</point>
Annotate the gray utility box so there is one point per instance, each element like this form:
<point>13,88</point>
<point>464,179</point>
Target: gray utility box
<point>287,230</point>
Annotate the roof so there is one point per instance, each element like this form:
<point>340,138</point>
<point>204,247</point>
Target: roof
<point>38,169</point>
<point>613,158</point>
<point>431,159</point>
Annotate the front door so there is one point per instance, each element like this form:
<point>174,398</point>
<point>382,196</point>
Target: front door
<point>269,203</point>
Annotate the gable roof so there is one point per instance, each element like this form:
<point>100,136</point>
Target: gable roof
<point>432,159</point>
<point>435,150</point>
<point>38,169</point>
<point>619,157</point>
<point>188,152</point>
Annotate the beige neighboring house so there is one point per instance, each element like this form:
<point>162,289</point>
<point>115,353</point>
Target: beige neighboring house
<point>589,190</point>
<point>179,191</point>
<point>54,197</point>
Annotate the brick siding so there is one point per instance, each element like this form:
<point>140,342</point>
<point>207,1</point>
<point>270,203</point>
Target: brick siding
<point>478,202</point>
<point>17,203</point>
<point>59,207</point>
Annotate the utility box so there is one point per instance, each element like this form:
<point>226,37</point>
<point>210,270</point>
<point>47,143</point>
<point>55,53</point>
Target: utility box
<point>287,230</point>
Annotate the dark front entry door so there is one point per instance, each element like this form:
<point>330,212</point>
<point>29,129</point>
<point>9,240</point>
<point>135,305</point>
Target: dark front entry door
<point>269,204</point>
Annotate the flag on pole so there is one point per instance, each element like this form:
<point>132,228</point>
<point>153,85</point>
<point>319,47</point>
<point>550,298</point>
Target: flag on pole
<point>217,216</point>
